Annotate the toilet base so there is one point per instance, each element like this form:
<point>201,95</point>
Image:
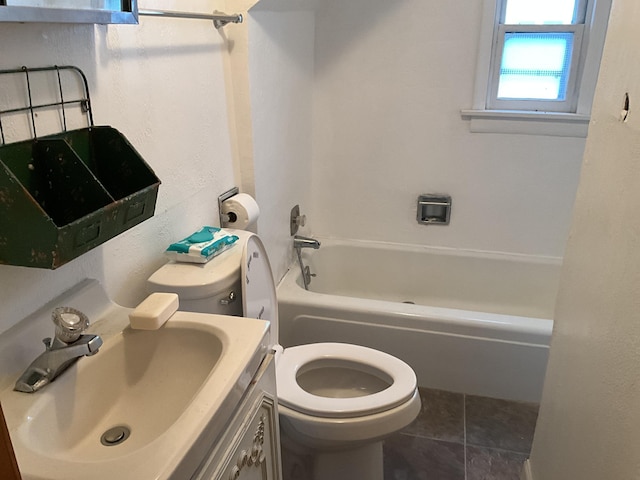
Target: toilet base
<point>362,462</point>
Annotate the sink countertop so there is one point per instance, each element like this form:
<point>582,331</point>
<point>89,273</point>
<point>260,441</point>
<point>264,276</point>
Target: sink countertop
<point>172,438</point>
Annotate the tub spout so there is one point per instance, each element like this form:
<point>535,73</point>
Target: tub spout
<point>305,242</point>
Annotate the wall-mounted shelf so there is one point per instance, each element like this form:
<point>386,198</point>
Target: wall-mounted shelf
<point>63,194</point>
<point>97,11</point>
<point>70,11</point>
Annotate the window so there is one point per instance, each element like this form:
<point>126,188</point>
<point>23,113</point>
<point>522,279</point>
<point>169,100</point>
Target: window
<point>536,55</point>
<point>538,62</point>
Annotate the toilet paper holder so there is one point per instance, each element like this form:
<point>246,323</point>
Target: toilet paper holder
<point>238,210</point>
<point>224,217</point>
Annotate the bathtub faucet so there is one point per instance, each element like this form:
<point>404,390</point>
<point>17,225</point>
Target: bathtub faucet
<point>300,242</point>
<point>305,242</point>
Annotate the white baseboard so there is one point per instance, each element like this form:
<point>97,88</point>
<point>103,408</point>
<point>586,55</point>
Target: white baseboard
<point>526,471</point>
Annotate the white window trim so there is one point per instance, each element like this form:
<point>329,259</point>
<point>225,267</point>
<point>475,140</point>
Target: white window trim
<point>484,120</point>
<point>569,104</point>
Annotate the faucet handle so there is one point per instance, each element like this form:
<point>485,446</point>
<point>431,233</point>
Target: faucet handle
<point>70,323</point>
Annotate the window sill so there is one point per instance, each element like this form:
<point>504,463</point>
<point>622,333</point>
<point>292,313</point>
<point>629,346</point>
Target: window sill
<point>528,123</point>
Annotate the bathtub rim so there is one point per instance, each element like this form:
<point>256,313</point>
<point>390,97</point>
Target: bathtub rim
<point>443,250</point>
<point>490,326</point>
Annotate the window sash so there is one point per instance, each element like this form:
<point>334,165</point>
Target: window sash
<point>578,18</point>
<point>571,99</point>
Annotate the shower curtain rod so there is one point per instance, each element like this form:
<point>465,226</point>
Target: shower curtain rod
<point>219,20</point>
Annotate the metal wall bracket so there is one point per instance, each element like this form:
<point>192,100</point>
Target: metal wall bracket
<point>434,209</point>
<point>224,218</point>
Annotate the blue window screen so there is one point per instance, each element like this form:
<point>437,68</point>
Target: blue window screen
<point>535,66</point>
<point>540,12</point>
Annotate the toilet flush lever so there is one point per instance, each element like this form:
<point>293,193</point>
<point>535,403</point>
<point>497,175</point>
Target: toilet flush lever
<point>229,300</point>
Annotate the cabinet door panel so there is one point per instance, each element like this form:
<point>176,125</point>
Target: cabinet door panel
<point>254,457</point>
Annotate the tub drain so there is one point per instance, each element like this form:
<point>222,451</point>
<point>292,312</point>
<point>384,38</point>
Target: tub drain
<point>409,302</point>
<point>115,436</point>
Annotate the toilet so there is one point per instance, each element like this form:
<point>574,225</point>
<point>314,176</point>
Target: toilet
<point>336,401</point>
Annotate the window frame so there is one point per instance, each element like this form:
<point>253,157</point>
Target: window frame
<point>567,105</point>
<point>515,117</point>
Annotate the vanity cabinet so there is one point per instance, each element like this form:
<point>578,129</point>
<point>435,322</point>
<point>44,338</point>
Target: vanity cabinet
<point>8,464</point>
<point>250,446</point>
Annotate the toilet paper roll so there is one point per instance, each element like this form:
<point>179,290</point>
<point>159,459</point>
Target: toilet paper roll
<point>242,210</point>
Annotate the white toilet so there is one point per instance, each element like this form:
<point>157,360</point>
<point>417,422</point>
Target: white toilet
<point>336,401</point>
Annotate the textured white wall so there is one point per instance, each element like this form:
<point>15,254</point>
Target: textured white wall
<point>281,81</point>
<point>162,84</point>
<point>589,417</point>
<point>391,78</point>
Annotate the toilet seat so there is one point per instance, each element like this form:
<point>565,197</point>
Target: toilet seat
<point>258,290</point>
<point>402,379</point>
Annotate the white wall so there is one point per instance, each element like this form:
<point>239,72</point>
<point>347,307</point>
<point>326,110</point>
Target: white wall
<point>281,65</point>
<point>391,78</point>
<point>589,417</point>
<point>162,84</point>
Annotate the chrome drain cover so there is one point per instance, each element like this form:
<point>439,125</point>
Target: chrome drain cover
<point>115,436</point>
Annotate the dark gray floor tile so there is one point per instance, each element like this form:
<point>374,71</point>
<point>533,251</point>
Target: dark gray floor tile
<point>441,416</point>
<point>500,424</point>
<point>408,457</point>
<point>491,464</point>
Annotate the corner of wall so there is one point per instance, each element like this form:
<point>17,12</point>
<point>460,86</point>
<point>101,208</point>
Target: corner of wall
<point>236,75</point>
<point>526,473</point>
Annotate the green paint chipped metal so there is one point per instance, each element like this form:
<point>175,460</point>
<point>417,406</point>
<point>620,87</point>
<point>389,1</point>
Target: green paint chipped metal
<point>64,194</point>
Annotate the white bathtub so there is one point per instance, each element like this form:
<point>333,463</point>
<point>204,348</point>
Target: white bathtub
<point>481,322</point>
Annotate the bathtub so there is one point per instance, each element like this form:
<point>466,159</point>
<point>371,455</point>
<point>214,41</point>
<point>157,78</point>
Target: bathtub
<point>466,321</point>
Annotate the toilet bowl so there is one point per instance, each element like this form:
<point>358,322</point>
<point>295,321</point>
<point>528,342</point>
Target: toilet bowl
<point>336,401</point>
<point>336,394</point>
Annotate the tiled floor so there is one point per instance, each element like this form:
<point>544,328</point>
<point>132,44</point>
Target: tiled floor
<point>462,437</point>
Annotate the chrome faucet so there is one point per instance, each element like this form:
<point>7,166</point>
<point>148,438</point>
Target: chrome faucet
<point>60,352</point>
<point>305,242</point>
<point>300,242</point>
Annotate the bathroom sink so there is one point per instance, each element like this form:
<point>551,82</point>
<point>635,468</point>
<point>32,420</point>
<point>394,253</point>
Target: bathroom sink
<point>167,392</point>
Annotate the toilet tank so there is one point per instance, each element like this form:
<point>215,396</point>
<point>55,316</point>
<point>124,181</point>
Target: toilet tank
<point>212,287</point>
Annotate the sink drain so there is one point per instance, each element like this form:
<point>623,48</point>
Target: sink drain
<point>115,436</point>
<point>409,302</point>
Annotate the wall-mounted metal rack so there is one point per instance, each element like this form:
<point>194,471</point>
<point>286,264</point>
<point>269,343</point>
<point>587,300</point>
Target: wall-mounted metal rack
<point>65,193</point>
<point>31,108</point>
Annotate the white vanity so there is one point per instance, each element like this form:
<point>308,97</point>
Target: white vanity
<point>250,446</point>
<point>194,399</point>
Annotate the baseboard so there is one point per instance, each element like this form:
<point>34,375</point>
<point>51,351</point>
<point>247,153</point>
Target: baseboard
<point>526,471</point>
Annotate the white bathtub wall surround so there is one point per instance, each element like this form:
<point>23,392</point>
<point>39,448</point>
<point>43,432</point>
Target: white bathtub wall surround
<point>281,63</point>
<point>161,83</point>
<point>589,416</point>
<point>269,68</point>
<point>481,322</point>
<point>390,80</point>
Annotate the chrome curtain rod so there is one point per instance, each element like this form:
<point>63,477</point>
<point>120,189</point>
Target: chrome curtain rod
<point>219,20</point>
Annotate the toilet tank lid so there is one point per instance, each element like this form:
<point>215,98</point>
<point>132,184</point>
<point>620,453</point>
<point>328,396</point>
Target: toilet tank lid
<point>194,280</point>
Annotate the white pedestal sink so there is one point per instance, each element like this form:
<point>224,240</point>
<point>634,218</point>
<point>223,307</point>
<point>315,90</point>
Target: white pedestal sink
<point>173,389</point>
